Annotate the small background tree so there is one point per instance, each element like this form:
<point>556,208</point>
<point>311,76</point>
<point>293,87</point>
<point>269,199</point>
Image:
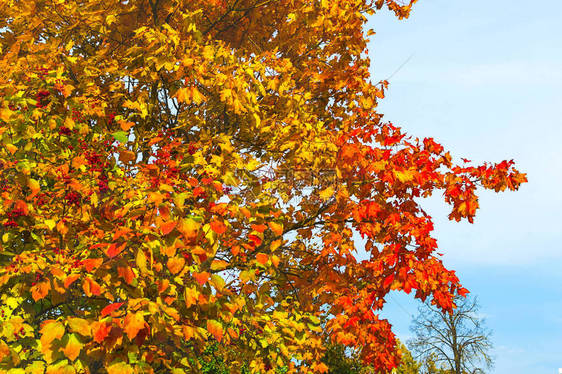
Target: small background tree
<point>458,341</point>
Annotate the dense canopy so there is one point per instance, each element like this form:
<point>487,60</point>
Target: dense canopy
<point>180,174</point>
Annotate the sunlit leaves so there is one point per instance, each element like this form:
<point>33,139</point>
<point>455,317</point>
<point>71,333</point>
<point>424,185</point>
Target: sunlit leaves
<point>215,328</point>
<point>189,175</point>
<point>133,323</point>
<point>72,347</point>
<point>50,331</point>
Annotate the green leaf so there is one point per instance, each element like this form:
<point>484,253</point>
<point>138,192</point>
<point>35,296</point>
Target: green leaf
<point>121,136</point>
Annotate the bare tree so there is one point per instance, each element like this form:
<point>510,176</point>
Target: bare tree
<point>458,341</point>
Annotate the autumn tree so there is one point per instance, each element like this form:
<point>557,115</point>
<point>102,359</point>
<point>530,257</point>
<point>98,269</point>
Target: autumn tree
<point>457,341</point>
<point>408,365</point>
<point>182,178</point>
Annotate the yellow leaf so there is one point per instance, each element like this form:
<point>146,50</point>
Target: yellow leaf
<point>191,296</point>
<point>218,265</point>
<point>327,193</point>
<point>110,19</point>
<point>79,325</point>
<point>141,261</point>
<point>33,186</point>
<point>5,114</point>
<point>208,52</point>
<point>218,282</point>
<point>120,368</point>
<point>276,244</point>
<point>404,176</point>
<point>72,348</point>
<point>50,224</point>
<point>69,123</point>
<point>197,96</point>
<point>189,228</point>
<point>50,331</point>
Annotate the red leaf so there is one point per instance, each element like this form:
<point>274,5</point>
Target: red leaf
<point>110,309</point>
<point>167,227</point>
<point>100,330</point>
<point>114,250</point>
<point>388,281</point>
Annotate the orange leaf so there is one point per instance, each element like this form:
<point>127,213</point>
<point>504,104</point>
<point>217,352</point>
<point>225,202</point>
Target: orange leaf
<point>11,148</point>
<point>134,322</point>
<point>125,125</point>
<point>40,290</point>
<point>258,228</point>
<point>218,226</point>
<point>4,350</point>
<point>100,330</point>
<point>127,156</point>
<point>218,265</point>
<point>262,258</point>
<point>126,273</point>
<point>61,227</point>
<point>322,368</point>
<point>188,332</point>
<point>114,250</point>
<point>175,264</point>
<point>33,186</point>
<point>92,263</point>
<point>70,279</point>
<point>91,287</point>
<point>110,309</point>
<point>201,278</point>
<point>276,228</point>
<point>167,227</point>
<point>215,328</point>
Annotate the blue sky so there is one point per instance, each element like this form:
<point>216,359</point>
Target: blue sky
<point>485,80</point>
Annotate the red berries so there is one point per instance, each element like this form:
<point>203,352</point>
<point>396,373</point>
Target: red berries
<point>13,215</point>
<point>65,131</point>
<point>73,198</point>
<point>42,98</point>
